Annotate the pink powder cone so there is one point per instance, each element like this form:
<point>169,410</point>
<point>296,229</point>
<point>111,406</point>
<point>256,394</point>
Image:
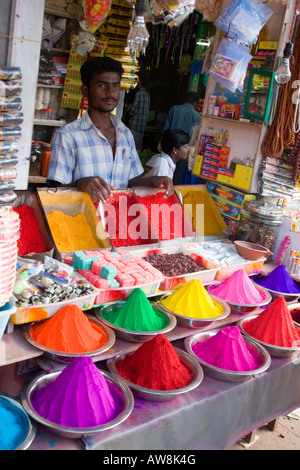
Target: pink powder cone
<point>228,350</point>
<point>238,289</point>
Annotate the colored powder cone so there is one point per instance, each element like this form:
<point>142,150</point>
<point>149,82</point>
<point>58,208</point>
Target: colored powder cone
<point>238,289</point>
<point>13,425</point>
<point>137,314</point>
<point>69,330</point>
<point>274,326</point>
<point>192,300</point>
<point>79,397</point>
<point>279,280</point>
<point>155,365</point>
<point>228,350</point>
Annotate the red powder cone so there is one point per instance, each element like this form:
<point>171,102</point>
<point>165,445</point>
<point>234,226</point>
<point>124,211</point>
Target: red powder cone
<point>155,365</point>
<point>274,325</point>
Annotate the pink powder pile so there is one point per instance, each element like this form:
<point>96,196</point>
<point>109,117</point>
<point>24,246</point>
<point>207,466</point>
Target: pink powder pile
<point>238,289</point>
<point>228,350</point>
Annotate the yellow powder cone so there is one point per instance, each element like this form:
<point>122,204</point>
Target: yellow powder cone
<point>192,300</point>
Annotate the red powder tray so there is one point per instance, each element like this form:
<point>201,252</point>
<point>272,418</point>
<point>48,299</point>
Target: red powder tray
<point>187,232</point>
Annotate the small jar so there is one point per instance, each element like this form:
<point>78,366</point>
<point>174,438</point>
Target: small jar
<point>260,222</point>
<point>46,113</point>
<point>46,154</point>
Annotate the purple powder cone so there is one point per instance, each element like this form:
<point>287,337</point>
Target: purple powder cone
<point>279,280</point>
<point>79,397</point>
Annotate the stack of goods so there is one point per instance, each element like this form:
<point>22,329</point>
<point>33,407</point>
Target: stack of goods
<point>222,254</point>
<point>228,350</point>
<point>136,314</point>
<point>11,117</point>
<point>72,96</point>
<point>30,240</point>
<point>107,270</point>
<point>155,365</point>
<point>193,301</point>
<point>114,32</point>
<point>238,289</point>
<point>166,216</point>
<point>9,235</point>
<point>121,227</point>
<point>276,177</point>
<point>69,331</point>
<point>14,425</point>
<point>80,397</point>
<point>173,264</point>
<point>47,283</point>
<point>274,326</point>
<point>279,280</point>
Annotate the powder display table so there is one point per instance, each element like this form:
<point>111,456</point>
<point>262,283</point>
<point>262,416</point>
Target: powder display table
<point>214,416</point>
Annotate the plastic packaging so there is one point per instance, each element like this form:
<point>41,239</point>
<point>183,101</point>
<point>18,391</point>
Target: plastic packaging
<point>10,73</point>
<point>8,119</point>
<point>230,64</point>
<point>10,104</point>
<point>9,89</point>
<point>10,133</point>
<point>243,19</point>
<point>8,147</point>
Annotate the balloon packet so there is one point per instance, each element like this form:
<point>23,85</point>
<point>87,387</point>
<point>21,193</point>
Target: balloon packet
<point>242,20</point>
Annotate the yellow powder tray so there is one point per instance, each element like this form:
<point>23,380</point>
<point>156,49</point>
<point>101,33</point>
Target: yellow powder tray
<point>201,210</point>
<point>72,221</point>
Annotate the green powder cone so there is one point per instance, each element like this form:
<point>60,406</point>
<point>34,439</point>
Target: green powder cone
<point>137,314</point>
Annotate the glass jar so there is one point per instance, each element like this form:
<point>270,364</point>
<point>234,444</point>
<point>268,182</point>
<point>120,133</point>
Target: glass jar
<point>260,222</point>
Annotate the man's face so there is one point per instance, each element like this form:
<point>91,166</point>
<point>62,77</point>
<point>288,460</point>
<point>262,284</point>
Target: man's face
<point>104,91</point>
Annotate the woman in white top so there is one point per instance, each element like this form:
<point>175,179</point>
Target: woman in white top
<point>174,146</point>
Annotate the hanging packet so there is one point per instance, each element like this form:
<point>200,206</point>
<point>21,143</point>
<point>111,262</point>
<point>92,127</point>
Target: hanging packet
<point>243,19</point>
<point>229,65</point>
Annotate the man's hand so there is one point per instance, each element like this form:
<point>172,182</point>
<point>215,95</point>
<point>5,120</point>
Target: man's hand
<point>96,187</point>
<point>163,182</point>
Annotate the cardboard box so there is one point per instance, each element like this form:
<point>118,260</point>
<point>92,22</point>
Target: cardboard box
<point>231,195</point>
<point>226,208</point>
<point>198,164</point>
<point>229,111</point>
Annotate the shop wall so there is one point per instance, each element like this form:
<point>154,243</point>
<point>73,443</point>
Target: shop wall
<point>22,21</point>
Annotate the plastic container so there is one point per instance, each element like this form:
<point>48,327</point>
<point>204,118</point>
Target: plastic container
<point>45,158</point>
<point>6,311</point>
<point>122,293</point>
<point>206,276</point>
<point>260,222</point>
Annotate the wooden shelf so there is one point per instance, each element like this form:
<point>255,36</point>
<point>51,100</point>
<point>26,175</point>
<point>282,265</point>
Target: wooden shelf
<point>61,14</point>
<point>37,179</point>
<point>41,85</point>
<point>48,122</point>
<point>235,121</point>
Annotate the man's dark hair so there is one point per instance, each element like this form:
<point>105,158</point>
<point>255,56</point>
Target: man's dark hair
<point>96,65</point>
<point>173,138</point>
<point>191,97</point>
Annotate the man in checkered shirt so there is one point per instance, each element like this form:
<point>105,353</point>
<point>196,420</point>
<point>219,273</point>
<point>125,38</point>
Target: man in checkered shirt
<point>97,152</point>
<point>139,112</point>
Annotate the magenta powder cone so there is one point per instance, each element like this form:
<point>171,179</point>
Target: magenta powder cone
<point>228,350</point>
<point>79,397</point>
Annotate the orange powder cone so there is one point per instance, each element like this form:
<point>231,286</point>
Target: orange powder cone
<point>69,330</point>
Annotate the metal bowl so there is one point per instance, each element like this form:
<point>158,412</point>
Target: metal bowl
<point>31,425</point>
<point>124,395</point>
<point>289,298</point>
<point>131,335</point>
<point>275,351</point>
<point>161,395</point>
<point>66,357</point>
<point>292,307</point>
<point>224,374</point>
<point>247,308</point>
<point>192,322</point>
